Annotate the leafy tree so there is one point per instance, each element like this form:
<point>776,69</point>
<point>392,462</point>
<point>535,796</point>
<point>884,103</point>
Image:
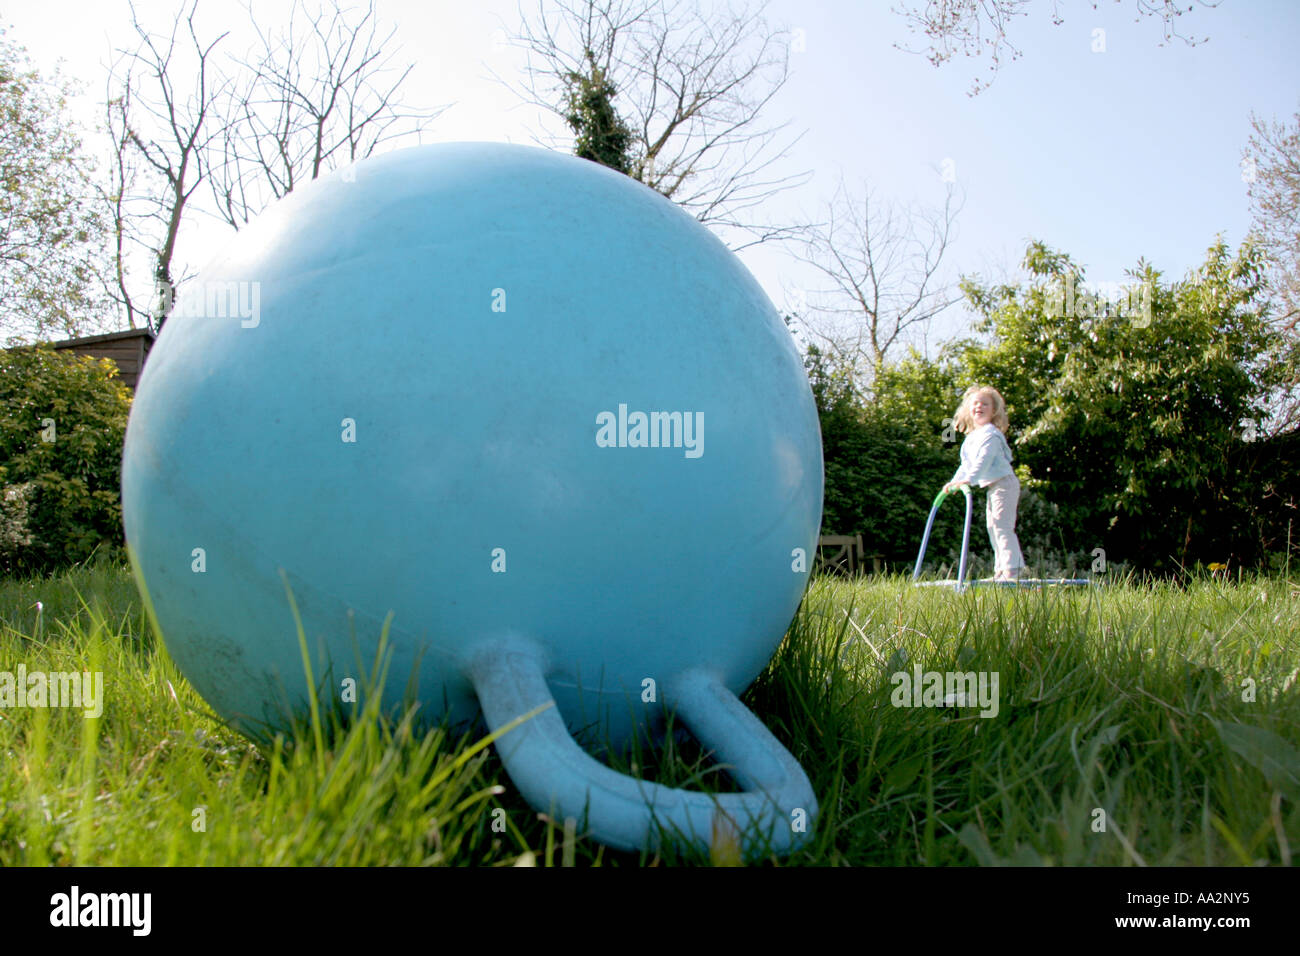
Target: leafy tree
<point>921,395</point>
<point>51,234</point>
<point>1032,329</point>
<point>884,459</point>
<point>831,383</point>
<point>1135,411</point>
<point>1134,419</point>
<point>600,134</point>
<point>62,422</point>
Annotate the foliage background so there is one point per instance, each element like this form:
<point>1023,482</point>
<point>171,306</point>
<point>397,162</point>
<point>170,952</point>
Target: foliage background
<point>1139,423</point>
<point>61,499</point>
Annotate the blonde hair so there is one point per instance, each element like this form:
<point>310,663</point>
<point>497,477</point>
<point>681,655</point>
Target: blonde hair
<point>965,422</point>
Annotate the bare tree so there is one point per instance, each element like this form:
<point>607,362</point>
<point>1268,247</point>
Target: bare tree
<point>881,263</point>
<point>1271,167</point>
<point>321,91</point>
<point>691,85</point>
<point>122,178</point>
<point>318,91</point>
<point>165,116</point>
<point>971,27</point>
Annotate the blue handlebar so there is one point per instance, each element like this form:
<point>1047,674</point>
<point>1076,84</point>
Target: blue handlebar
<point>965,537</point>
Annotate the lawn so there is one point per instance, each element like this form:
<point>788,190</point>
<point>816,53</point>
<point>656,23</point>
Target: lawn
<point>1136,723</point>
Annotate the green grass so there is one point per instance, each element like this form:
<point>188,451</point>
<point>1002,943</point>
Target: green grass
<point>1120,705</point>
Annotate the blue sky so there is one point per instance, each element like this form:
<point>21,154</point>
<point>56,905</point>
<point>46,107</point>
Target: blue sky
<point>1108,156</point>
<point>1134,151</point>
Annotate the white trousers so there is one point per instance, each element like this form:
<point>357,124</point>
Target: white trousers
<point>1003,496</point>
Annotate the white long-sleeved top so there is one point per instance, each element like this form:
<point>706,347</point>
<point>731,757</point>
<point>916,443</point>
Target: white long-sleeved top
<point>985,457</point>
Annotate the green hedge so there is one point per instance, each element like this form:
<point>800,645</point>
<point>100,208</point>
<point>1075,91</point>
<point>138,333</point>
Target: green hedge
<point>62,424</point>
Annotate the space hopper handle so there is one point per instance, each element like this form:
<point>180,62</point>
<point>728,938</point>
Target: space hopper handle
<point>772,817</point>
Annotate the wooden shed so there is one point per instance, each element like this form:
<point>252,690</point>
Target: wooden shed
<point>128,349</point>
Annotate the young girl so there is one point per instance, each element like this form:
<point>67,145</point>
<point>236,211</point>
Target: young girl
<point>986,460</point>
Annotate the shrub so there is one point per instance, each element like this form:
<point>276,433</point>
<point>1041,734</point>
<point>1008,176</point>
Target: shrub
<point>884,463</point>
<point>62,423</point>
